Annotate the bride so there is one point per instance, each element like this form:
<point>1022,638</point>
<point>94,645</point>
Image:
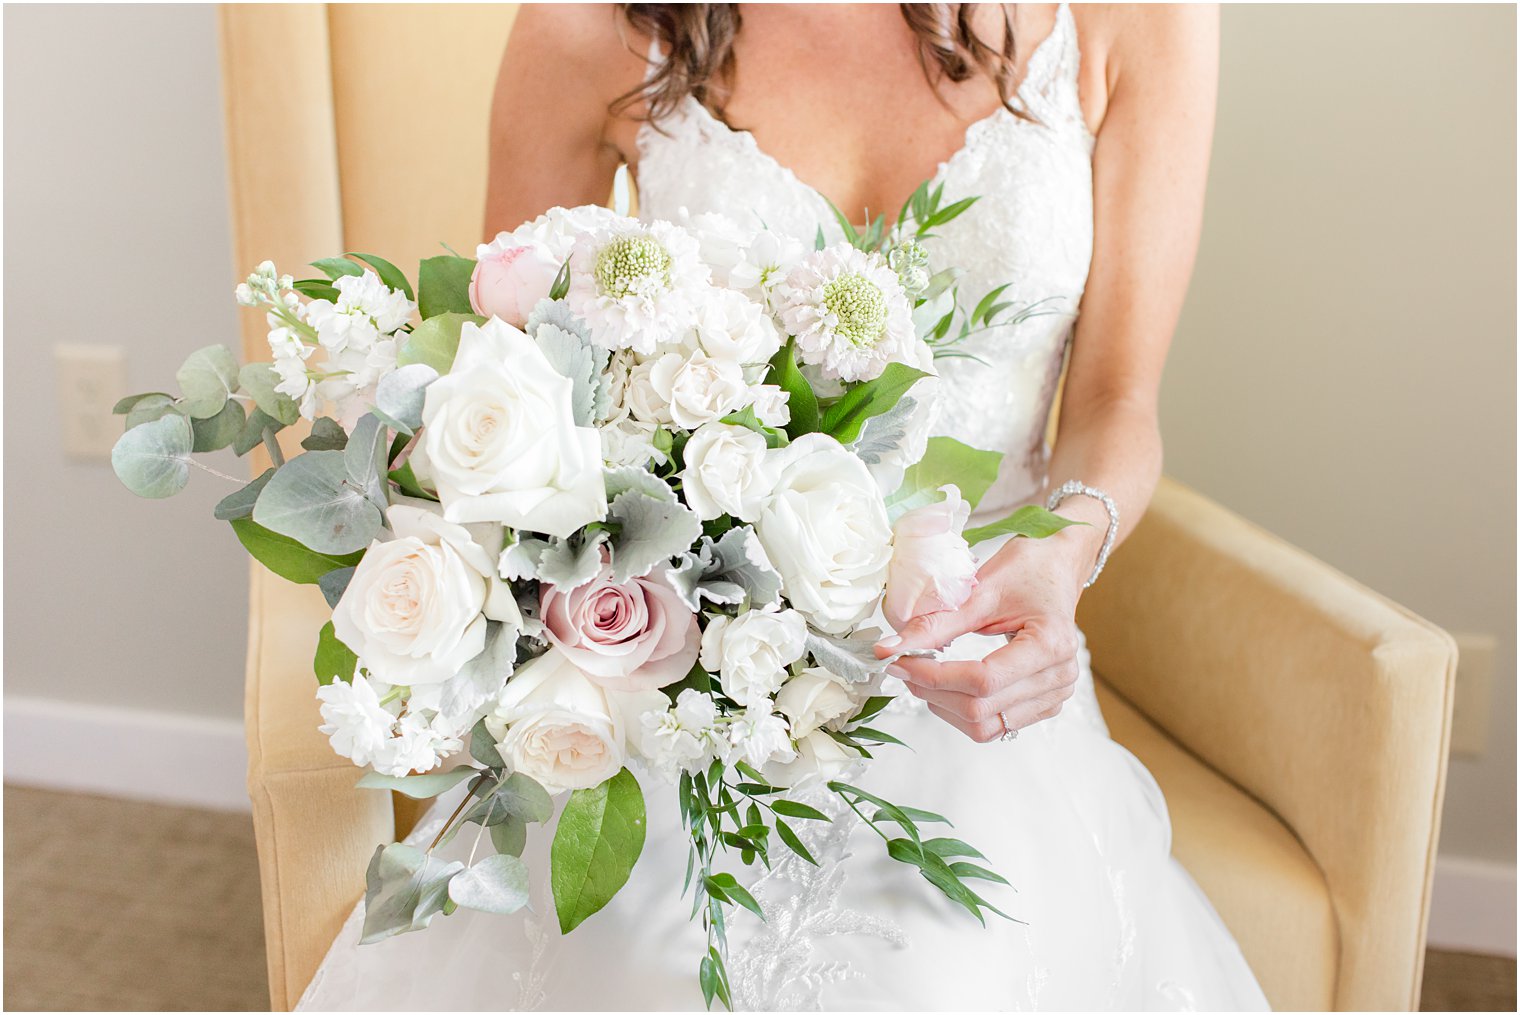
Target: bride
<point>1086,137</point>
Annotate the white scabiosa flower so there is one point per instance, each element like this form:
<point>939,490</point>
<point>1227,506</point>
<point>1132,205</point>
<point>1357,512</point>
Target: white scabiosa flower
<point>849,314</point>
<point>636,285</point>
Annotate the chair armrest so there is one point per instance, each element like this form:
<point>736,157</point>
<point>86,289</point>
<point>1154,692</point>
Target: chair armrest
<point>1327,702</point>
<point>315,831</point>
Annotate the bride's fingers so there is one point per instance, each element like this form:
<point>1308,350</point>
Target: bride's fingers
<point>1037,646</point>
<point>1054,683</point>
<point>987,730</point>
<point>933,630</point>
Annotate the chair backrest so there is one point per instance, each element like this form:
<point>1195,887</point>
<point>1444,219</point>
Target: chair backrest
<point>357,127</point>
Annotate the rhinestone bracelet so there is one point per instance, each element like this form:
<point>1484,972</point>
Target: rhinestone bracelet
<point>1070,487</point>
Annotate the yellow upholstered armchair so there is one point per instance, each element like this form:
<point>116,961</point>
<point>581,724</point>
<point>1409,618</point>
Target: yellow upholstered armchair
<point>1296,721</point>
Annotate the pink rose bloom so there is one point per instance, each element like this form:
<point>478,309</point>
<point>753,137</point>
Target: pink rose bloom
<point>932,566</point>
<point>638,636</point>
<point>509,282</point>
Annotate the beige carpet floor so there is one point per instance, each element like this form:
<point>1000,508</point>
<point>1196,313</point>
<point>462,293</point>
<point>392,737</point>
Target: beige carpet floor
<point>112,905</point>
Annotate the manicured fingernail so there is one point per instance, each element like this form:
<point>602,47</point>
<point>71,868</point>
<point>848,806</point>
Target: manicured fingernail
<point>897,671</point>
<point>890,643</point>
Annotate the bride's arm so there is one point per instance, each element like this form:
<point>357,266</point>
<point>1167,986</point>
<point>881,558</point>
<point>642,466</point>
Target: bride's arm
<point>551,132</point>
<point>1149,171</point>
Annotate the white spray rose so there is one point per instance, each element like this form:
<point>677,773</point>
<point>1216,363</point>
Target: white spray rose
<point>751,652</point>
<point>736,329</point>
<point>415,610</point>
<point>727,472</point>
<point>819,757</point>
<point>697,388</point>
<point>771,407</point>
<point>932,567</point>
<point>499,441</point>
<point>814,699</point>
<point>825,528</point>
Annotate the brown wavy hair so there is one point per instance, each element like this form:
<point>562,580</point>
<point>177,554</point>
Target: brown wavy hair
<point>698,41</point>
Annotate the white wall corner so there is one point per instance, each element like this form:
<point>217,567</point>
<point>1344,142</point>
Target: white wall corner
<point>1472,906</point>
<point>161,757</point>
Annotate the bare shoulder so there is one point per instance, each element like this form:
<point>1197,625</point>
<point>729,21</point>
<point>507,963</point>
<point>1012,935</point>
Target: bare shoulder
<point>1145,35</point>
<point>590,42</point>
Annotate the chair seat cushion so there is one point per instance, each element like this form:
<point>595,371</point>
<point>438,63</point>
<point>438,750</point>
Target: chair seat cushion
<point>1261,880</point>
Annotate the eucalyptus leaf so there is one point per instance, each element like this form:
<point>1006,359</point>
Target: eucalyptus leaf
<point>334,583</point>
<point>140,409</point>
<point>333,660</point>
<point>153,459</point>
<point>286,557</point>
<point>219,431</point>
<point>240,504</point>
<point>400,393</point>
<point>483,746</point>
<point>405,889</point>
<point>510,837</point>
<point>435,341</point>
<point>364,459</point>
<point>259,380</point>
<point>259,423</point>
<point>326,435</point>
<point>312,500</point>
<point>1030,520</point>
<point>443,287</point>
<point>418,787</point>
<point>516,795</point>
<point>496,884</point>
<point>599,839</point>
<point>208,377</point>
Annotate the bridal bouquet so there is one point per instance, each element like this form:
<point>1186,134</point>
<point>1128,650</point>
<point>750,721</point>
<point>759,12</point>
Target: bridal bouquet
<point>609,495</point>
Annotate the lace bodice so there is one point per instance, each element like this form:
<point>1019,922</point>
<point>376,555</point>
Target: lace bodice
<point>1032,228</point>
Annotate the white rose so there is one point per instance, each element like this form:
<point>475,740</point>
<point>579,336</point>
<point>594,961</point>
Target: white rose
<point>825,528</point>
<point>499,442</point>
<point>416,607</point>
<point>561,730</point>
<point>736,329</point>
<point>727,472</point>
<point>751,652</point>
<point>819,757</point>
<point>813,699</point>
<point>698,389</point>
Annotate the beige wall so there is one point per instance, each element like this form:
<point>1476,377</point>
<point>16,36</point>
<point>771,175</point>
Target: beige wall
<point>1345,369</point>
<point>115,233</point>
<point>1344,373</point>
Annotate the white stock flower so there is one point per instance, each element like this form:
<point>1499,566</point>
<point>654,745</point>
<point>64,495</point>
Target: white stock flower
<point>418,746</point>
<point>694,389</point>
<point>364,310</point>
<point>751,652</point>
<point>415,610</point>
<point>626,441</point>
<point>727,472</point>
<point>813,699</point>
<point>849,314</point>
<point>635,285</point>
<point>760,737</point>
<point>825,529</point>
<point>364,731</point>
<point>682,738</point>
<point>499,441</point>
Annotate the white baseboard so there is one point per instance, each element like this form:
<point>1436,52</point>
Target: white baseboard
<point>1472,906</point>
<point>158,756</point>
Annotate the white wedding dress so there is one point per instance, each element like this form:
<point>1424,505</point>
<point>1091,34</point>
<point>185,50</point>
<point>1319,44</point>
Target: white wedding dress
<point>1106,919</point>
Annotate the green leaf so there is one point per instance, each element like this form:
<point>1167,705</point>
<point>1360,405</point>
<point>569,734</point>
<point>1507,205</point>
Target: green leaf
<point>364,459</point>
<point>406,479</point>
<point>727,886</point>
<point>917,815</point>
<point>967,869</point>
<point>391,275</point>
<point>845,417</point>
<point>316,289</point>
<point>258,380</point>
<point>1030,520</point>
<point>951,847</point>
<point>497,884</point>
<point>253,431</point>
<point>984,306</point>
<point>208,378</point>
<point>443,285</point>
<point>483,746</point>
<point>946,461</point>
<point>946,214</point>
<point>510,836</point>
<point>334,583</point>
<point>435,341</point>
<point>334,660</point>
<point>793,809</point>
<point>217,432</point>
<point>872,706</point>
<point>313,500</point>
<point>405,889</point>
<point>599,839</point>
<point>707,976</point>
<point>800,398</point>
<point>400,393</point>
<point>875,736</point>
<point>518,795</point>
<point>240,503</point>
<point>336,267</point>
<point>124,405</point>
<point>144,408</point>
<point>153,460</point>
<point>286,557</point>
<point>561,284</point>
<point>794,842</point>
<point>418,787</point>
<point>326,435</point>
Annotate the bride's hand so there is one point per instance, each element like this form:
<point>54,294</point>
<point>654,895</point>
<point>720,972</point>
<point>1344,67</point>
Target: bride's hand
<point>1029,590</point>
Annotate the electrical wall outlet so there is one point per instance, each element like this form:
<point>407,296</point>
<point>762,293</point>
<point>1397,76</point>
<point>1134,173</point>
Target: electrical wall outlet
<point>90,380</point>
<point>1475,680</point>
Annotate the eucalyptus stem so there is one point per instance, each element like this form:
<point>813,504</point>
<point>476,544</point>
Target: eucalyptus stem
<point>446,825</point>
<point>220,475</point>
<point>273,447</point>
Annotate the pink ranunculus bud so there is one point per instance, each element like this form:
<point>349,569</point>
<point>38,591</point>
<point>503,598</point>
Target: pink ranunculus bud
<point>932,566</point>
<point>637,636</point>
<point>508,283</point>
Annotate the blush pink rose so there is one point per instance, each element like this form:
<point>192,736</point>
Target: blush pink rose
<point>508,283</point>
<point>932,566</point>
<point>637,636</point>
